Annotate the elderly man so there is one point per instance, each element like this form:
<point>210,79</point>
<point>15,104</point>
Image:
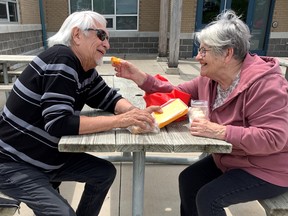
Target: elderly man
<point>45,104</point>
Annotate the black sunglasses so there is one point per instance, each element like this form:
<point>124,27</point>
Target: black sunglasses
<point>101,34</point>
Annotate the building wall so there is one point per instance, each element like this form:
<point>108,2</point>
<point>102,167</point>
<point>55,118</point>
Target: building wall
<point>147,39</point>
<point>56,12</point>
<point>25,36</point>
<point>187,28</point>
<point>280,15</point>
<point>20,42</point>
<point>144,41</point>
<point>278,42</point>
<point>188,16</point>
<point>149,15</point>
<point>29,12</point>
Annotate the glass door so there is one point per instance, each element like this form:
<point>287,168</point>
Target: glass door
<point>257,14</point>
<point>260,26</point>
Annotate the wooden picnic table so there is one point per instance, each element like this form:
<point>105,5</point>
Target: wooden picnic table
<point>283,61</point>
<point>5,60</point>
<point>173,138</point>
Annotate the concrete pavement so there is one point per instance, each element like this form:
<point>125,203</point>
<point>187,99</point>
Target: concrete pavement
<point>161,180</point>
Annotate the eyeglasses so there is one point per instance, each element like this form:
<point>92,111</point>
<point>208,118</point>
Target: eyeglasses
<point>101,34</point>
<point>203,51</point>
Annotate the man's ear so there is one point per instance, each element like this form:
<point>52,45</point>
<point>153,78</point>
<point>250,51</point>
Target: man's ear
<point>76,35</point>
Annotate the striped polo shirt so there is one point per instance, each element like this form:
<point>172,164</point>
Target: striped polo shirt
<point>45,104</point>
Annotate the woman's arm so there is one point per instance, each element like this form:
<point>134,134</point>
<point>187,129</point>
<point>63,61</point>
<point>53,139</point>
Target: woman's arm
<point>127,70</point>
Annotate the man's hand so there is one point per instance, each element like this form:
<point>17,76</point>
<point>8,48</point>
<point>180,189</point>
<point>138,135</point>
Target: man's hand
<point>137,117</point>
<point>152,109</point>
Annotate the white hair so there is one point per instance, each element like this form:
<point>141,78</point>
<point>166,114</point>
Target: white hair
<point>227,31</point>
<point>80,19</point>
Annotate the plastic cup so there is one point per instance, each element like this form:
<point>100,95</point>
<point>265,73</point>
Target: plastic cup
<point>198,110</point>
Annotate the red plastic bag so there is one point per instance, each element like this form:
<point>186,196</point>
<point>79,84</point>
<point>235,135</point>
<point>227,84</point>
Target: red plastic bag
<point>160,98</point>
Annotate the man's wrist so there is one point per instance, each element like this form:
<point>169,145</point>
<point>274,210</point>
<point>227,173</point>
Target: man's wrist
<point>131,108</point>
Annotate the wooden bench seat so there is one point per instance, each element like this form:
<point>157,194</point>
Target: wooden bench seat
<point>17,73</point>
<point>277,206</point>
<point>14,73</point>
<point>6,88</point>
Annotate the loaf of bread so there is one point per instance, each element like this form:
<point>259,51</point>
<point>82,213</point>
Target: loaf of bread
<point>149,129</point>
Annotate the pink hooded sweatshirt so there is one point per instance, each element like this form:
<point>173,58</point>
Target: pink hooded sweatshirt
<point>256,115</point>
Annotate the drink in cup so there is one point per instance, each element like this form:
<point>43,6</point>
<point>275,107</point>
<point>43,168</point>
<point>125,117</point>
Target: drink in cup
<point>198,110</point>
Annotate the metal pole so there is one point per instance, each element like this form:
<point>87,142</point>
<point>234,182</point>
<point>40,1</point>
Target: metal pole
<point>42,17</point>
<point>138,183</point>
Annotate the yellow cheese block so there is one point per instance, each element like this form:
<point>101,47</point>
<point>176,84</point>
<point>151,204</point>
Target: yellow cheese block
<point>172,110</point>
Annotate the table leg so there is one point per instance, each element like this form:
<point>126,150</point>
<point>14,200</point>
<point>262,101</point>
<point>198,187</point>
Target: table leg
<point>5,73</point>
<point>138,183</point>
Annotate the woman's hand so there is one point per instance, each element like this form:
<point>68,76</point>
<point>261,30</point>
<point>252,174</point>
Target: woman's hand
<point>127,70</point>
<point>205,128</point>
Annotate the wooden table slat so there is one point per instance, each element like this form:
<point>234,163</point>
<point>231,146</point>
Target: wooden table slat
<point>129,90</point>
<point>103,142</point>
<point>16,58</point>
<point>147,142</point>
<point>180,136</point>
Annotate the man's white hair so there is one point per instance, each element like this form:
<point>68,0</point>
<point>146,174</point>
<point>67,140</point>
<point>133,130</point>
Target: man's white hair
<point>81,20</point>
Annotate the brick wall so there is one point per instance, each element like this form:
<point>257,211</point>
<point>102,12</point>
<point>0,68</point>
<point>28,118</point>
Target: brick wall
<point>146,39</point>
<point>280,15</point>
<point>26,36</point>
<point>149,15</point>
<point>188,16</point>
<point>20,42</point>
<point>29,12</point>
<point>278,42</point>
<point>278,47</point>
<point>143,45</point>
<point>56,11</point>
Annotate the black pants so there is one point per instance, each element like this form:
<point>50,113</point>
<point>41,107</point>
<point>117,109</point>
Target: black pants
<point>32,186</point>
<point>206,191</point>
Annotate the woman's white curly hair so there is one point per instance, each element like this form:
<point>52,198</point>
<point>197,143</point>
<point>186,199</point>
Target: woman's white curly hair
<point>227,31</point>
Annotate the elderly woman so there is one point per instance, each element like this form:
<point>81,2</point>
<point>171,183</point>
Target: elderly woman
<point>45,104</point>
<point>247,97</point>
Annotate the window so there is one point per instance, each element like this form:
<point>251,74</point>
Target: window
<point>120,14</point>
<point>8,11</point>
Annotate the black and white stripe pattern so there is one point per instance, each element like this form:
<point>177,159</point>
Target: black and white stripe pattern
<point>45,104</point>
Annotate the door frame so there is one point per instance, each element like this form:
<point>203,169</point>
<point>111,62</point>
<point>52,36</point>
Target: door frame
<point>227,4</point>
